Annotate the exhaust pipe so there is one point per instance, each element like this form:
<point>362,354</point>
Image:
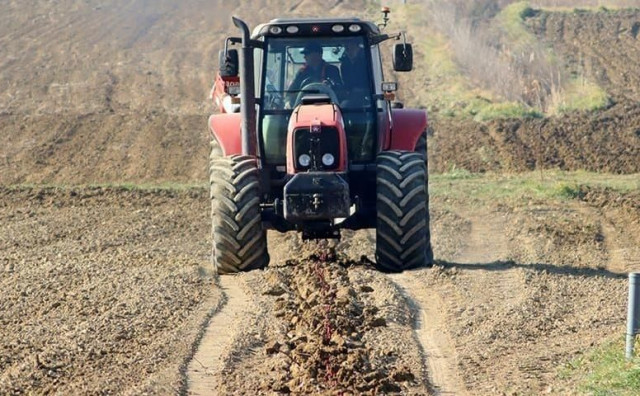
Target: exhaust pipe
<point>247,91</point>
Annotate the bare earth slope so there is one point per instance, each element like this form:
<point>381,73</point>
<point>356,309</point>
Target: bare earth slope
<point>604,46</point>
<point>99,91</point>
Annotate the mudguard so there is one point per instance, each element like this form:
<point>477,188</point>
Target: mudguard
<point>226,129</point>
<point>408,125</point>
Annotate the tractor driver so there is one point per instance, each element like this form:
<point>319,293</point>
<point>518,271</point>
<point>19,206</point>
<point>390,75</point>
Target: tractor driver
<point>315,70</point>
<point>353,68</point>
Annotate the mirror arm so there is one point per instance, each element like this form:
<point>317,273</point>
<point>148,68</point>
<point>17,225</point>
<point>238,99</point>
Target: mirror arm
<point>384,37</point>
<point>238,40</point>
<point>404,42</point>
<point>232,41</point>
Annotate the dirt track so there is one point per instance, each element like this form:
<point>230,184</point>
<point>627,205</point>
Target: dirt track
<point>108,290</point>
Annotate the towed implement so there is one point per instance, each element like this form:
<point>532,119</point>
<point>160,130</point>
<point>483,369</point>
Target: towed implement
<point>309,138</point>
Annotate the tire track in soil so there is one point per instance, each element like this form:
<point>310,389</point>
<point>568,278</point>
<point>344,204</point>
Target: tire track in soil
<point>216,345</point>
<point>623,254</point>
<point>488,282</point>
<point>430,327</point>
<point>488,246</point>
<point>617,256</point>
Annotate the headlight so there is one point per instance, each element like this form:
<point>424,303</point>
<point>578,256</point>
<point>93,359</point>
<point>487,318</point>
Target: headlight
<point>275,30</point>
<point>328,159</point>
<point>337,28</point>
<point>354,28</point>
<point>304,160</point>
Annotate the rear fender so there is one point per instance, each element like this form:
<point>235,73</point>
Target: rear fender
<point>226,129</point>
<point>408,125</point>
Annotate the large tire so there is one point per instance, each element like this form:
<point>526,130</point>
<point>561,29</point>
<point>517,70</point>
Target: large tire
<point>421,147</point>
<point>239,240</point>
<point>402,226</point>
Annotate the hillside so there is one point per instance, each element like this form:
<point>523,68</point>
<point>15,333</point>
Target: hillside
<point>98,93</point>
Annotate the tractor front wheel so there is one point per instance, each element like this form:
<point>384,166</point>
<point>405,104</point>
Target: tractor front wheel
<point>402,230</point>
<point>239,240</point>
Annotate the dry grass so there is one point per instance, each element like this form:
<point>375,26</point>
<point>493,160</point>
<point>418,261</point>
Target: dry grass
<point>485,63</point>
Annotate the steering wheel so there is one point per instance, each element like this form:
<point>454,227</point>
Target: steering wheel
<point>316,87</point>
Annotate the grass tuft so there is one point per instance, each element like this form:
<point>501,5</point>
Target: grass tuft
<point>580,96</point>
<point>511,20</point>
<point>457,174</point>
<point>505,110</point>
<point>459,184</point>
<point>569,191</point>
<point>605,371</point>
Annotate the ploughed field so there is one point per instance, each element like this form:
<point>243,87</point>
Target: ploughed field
<point>110,289</point>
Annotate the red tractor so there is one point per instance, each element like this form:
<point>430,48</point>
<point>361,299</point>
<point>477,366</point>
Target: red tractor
<point>309,139</point>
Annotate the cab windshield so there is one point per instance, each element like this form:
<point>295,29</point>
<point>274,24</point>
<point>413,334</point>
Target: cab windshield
<point>338,67</point>
<point>295,66</point>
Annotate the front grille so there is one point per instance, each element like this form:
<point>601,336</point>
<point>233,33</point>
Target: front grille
<point>329,142</point>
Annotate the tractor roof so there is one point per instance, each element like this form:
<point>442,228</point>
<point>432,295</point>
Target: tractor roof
<point>322,24</point>
<point>313,20</point>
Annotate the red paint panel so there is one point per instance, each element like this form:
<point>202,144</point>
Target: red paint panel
<point>226,129</point>
<point>408,125</point>
<point>324,115</point>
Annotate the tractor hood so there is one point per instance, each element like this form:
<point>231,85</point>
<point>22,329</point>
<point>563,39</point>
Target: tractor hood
<point>323,121</point>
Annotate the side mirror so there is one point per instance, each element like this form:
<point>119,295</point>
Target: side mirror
<point>229,63</point>
<point>402,57</point>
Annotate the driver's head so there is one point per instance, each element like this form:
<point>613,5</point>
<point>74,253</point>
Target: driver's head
<point>313,54</point>
<point>352,49</point>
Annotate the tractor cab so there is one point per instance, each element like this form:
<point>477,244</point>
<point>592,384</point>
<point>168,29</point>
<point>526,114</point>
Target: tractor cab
<point>302,69</point>
<point>307,140</point>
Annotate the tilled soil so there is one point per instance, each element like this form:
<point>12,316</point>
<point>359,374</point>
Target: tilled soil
<point>325,325</point>
<point>604,141</point>
<point>98,91</point>
<point>103,291</point>
<point>109,290</point>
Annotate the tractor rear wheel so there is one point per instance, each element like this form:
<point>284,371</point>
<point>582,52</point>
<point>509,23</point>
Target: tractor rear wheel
<point>402,226</point>
<point>421,147</point>
<point>239,240</point>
